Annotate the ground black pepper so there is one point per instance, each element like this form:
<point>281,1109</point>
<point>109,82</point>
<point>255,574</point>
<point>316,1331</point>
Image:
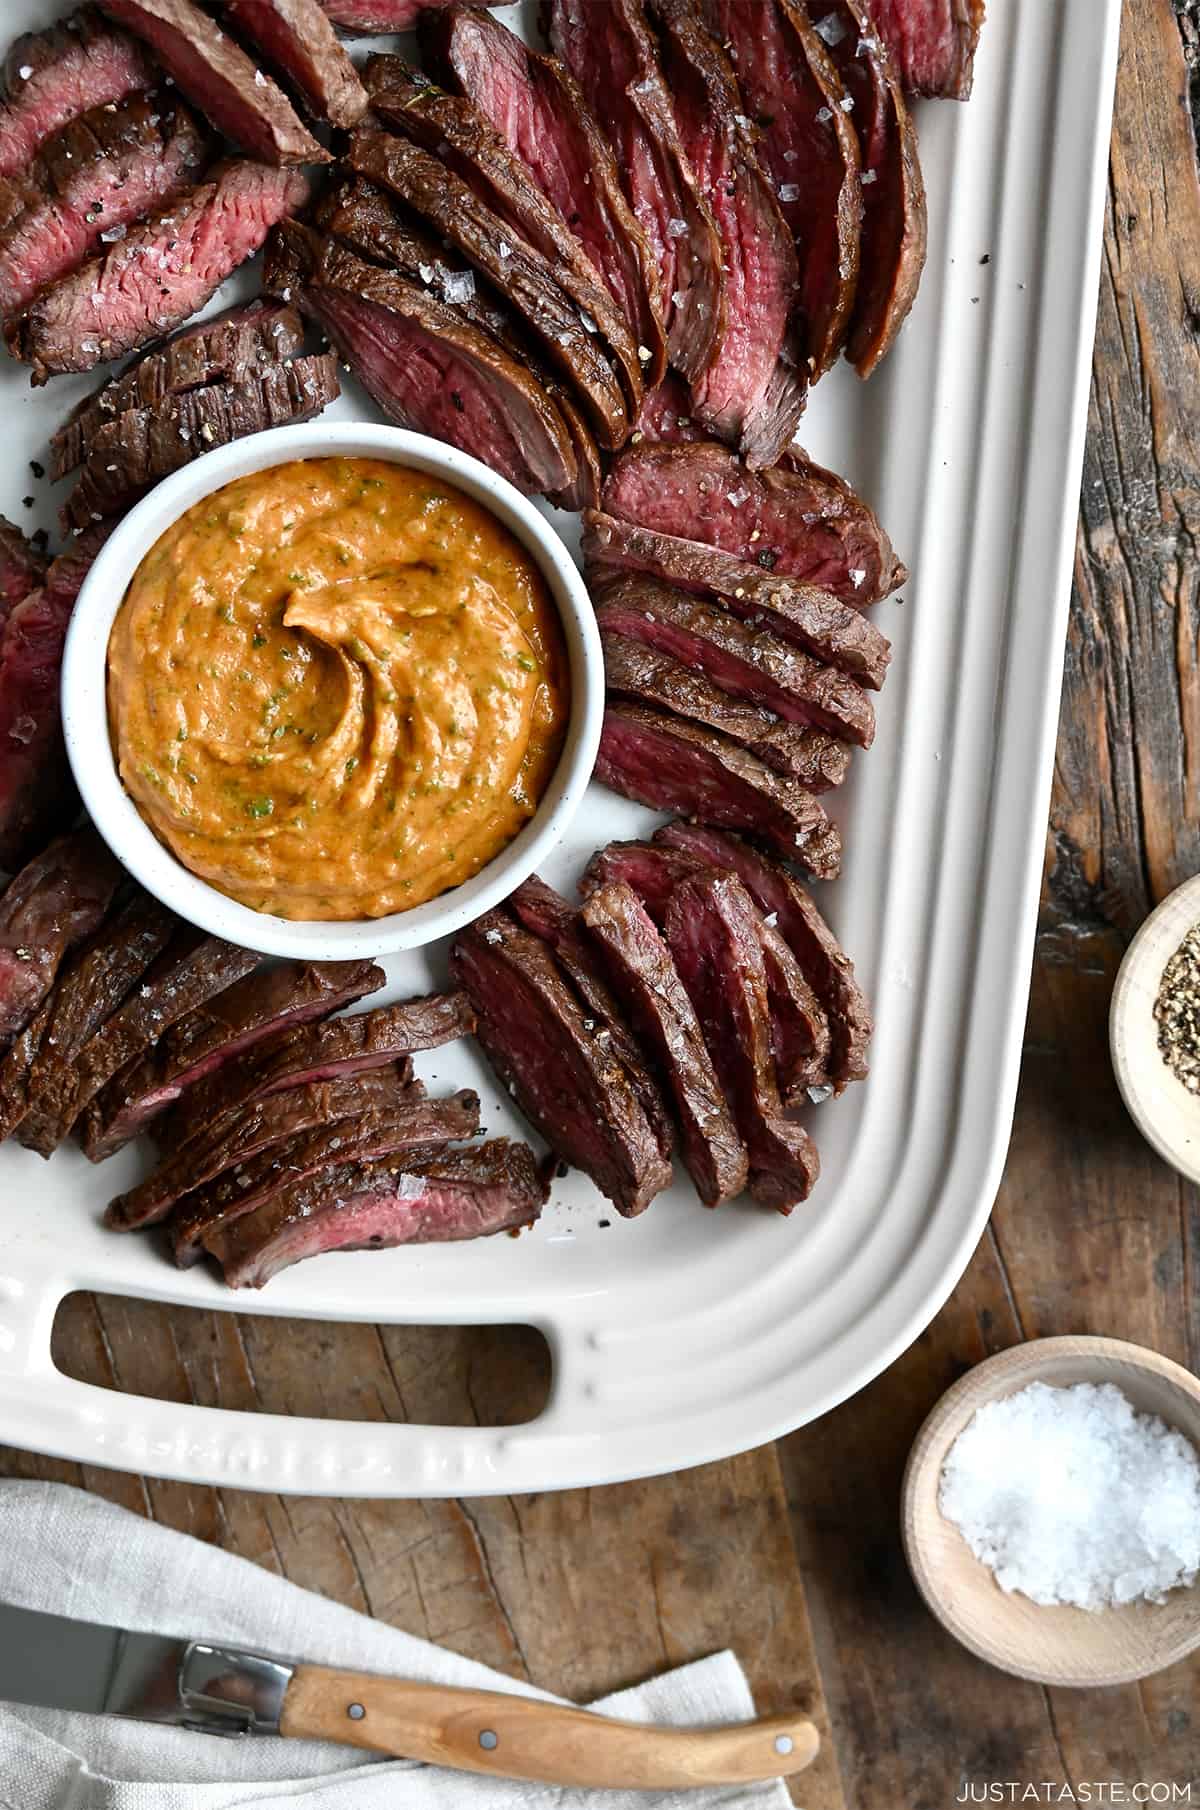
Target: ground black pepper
<point>1177,1010</point>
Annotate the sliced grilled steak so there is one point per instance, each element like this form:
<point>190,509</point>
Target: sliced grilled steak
<point>459,134</point>
<point>547,915</point>
<point>753,391</point>
<point>790,86</point>
<point>52,904</point>
<point>220,78</point>
<point>642,969</point>
<point>316,1052</point>
<point>645,676</point>
<point>810,618</point>
<point>374,1132</point>
<point>672,765</point>
<point>100,175</point>
<point>375,17</point>
<point>136,449</point>
<point>88,991</point>
<point>526,280</point>
<point>190,971</point>
<point>22,567</point>
<point>933,41</point>
<point>37,793</point>
<point>538,107</point>
<point>267,1001</point>
<point>363,218</point>
<point>564,1078</point>
<point>611,53</point>
<point>473,1193</point>
<point>749,663</point>
<point>666,417</point>
<point>161,273</point>
<point>425,363</point>
<point>798,520</point>
<point>800,1032</point>
<point>298,38</point>
<point>895,226</point>
<point>274,1120</point>
<point>233,348</point>
<point>823,960</point>
<point>50,77</point>
<point>711,932</point>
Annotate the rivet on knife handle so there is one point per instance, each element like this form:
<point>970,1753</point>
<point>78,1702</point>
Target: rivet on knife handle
<point>520,1738</point>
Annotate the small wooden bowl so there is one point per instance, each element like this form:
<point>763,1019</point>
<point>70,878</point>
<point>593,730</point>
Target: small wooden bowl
<point>1050,1645</point>
<point>1165,1113</point>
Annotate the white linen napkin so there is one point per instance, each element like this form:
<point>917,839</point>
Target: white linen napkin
<point>74,1554</point>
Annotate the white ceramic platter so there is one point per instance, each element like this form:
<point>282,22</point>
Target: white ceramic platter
<point>687,1335</point>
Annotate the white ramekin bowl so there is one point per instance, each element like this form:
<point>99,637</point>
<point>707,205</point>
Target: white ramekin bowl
<point>85,712</point>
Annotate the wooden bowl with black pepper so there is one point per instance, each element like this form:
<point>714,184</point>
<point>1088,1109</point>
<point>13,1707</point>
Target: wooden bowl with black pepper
<point>1154,1029</point>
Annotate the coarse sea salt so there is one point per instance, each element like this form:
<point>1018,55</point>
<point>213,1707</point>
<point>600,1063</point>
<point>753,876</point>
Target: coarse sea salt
<point>1070,1495</point>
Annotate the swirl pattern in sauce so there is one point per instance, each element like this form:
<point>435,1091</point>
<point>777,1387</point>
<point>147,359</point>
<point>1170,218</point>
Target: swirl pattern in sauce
<point>337,688</point>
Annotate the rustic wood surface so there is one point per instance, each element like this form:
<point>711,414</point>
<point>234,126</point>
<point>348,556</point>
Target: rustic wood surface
<point>791,1554</point>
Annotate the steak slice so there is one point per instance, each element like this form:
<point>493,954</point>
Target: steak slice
<point>136,449</point>
<point>375,1130</point>
<point>672,765</point>
<point>90,990</point>
<point>458,133</point>
<point>363,218</point>
<point>102,173</point>
<point>749,663</point>
<point>522,276</point>
<point>374,17</point>
<point>822,958</point>
<point>790,85</point>
<point>611,53</point>
<point>798,521</point>
<point>298,38</point>
<point>642,969</point>
<point>267,1001</point>
<point>644,676</point>
<point>220,78</point>
<point>711,932</point>
<point>538,108</point>
<point>799,613</point>
<point>800,1033</point>
<point>273,1120</point>
<point>37,793</point>
<point>753,391</point>
<point>565,1079</point>
<point>471,1193</point>
<point>895,223</point>
<point>933,41</point>
<point>189,971</point>
<point>59,898</point>
<point>666,416</point>
<point>424,362</point>
<point>22,567</point>
<point>233,348</point>
<point>547,915</point>
<point>51,77</point>
<point>315,1052</point>
<point>159,275</point>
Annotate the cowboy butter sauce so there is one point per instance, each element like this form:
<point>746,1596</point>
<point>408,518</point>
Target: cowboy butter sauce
<point>337,688</point>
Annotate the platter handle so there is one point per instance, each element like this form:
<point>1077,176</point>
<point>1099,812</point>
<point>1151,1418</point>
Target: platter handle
<point>44,1410</point>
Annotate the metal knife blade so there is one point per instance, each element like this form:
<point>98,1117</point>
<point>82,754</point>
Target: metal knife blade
<point>54,1662</point>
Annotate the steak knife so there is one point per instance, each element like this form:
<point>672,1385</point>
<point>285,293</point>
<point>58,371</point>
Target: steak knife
<point>218,1689</point>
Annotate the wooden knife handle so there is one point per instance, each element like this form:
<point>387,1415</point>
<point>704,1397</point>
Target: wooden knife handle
<point>519,1738</point>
